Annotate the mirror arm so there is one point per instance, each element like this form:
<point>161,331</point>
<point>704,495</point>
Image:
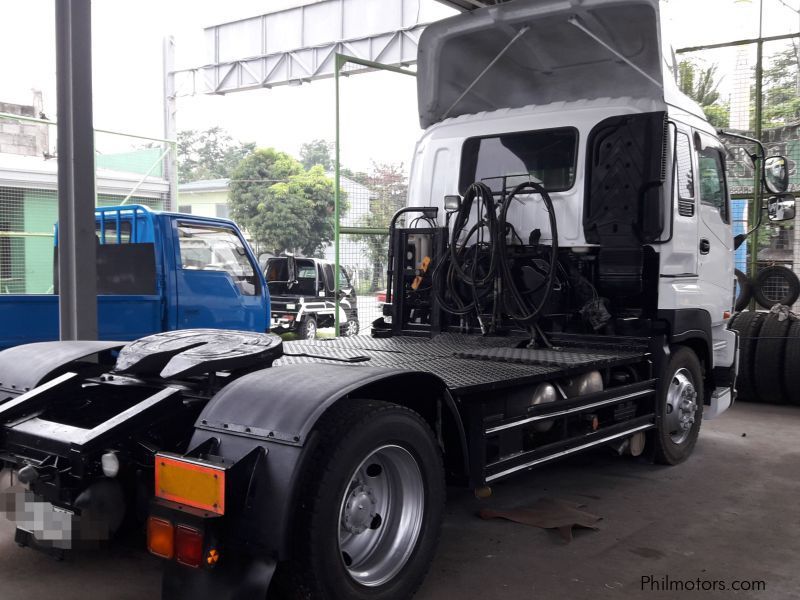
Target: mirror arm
<point>754,157</point>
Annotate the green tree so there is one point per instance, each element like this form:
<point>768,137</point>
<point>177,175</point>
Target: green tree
<point>209,154</point>
<point>317,152</point>
<point>388,184</point>
<point>781,87</point>
<point>700,85</point>
<point>283,206</point>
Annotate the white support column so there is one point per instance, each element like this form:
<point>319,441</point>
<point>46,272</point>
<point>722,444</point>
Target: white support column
<point>170,127</point>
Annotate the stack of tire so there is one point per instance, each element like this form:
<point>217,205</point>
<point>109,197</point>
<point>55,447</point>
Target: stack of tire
<point>769,356</point>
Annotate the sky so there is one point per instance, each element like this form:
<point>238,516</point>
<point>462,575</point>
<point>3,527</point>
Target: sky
<point>379,117</point>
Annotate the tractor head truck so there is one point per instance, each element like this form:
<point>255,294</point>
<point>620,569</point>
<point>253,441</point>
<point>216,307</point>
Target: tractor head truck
<point>568,287</point>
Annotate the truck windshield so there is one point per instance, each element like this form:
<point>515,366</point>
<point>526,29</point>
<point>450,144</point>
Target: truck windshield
<point>277,274</point>
<point>547,157</point>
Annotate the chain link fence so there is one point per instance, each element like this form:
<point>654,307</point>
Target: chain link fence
<point>752,88</point>
<point>128,170</point>
<point>372,187</point>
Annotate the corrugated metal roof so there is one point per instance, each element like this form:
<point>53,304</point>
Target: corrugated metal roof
<point>470,4</point>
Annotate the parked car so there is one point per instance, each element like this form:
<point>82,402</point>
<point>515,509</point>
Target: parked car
<point>303,296</point>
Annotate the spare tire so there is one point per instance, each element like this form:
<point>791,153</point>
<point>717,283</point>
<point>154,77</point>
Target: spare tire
<point>747,325</point>
<point>769,365</point>
<point>744,291</point>
<point>776,285</point>
<point>791,370</point>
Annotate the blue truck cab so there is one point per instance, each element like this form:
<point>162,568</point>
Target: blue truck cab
<point>156,271</point>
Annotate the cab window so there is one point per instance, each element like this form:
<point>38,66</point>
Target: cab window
<point>548,157</point>
<point>344,280</point>
<point>685,179</point>
<point>210,248</point>
<point>277,274</point>
<point>711,170</point>
<point>329,277</point>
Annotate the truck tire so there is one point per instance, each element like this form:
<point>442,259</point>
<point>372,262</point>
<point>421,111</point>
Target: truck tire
<point>748,326</point>
<point>745,293</point>
<point>680,407</point>
<point>776,285</point>
<point>308,328</point>
<point>768,365</point>
<point>371,506</point>
<point>791,372</point>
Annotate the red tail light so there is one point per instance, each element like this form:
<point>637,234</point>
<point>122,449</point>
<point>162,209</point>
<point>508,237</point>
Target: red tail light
<point>188,546</point>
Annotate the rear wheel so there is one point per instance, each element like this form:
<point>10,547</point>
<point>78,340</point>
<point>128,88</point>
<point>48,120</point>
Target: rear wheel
<point>308,328</point>
<point>351,328</point>
<point>372,506</point>
<point>680,407</point>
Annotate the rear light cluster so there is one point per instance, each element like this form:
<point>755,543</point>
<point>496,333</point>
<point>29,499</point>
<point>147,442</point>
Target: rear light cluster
<point>184,544</point>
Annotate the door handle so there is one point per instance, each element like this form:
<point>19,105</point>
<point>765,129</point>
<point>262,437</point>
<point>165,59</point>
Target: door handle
<point>705,246</point>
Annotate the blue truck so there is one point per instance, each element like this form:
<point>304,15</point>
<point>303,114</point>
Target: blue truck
<point>156,271</point>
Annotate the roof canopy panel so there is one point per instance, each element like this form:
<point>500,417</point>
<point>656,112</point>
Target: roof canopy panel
<point>537,52</point>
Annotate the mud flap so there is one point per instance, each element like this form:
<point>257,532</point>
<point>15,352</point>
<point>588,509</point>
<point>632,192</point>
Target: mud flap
<point>236,579</point>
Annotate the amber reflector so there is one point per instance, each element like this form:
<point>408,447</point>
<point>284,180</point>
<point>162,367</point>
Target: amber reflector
<point>160,537</point>
<point>190,483</point>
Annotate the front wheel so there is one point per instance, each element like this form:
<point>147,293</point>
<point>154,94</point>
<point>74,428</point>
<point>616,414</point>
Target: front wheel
<point>680,407</point>
<point>371,506</point>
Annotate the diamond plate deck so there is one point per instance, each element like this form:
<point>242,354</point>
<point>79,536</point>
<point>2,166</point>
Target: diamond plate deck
<point>546,357</point>
<point>465,363</point>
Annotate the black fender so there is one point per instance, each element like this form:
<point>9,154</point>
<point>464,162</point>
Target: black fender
<point>22,368</point>
<point>277,409</point>
<point>692,327</point>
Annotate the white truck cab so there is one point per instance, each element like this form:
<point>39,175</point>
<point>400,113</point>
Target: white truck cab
<point>577,97</point>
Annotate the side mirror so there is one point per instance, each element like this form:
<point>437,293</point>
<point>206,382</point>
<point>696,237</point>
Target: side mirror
<point>738,240</point>
<point>452,203</point>
<point>776,174</point>
<point>781,208</point>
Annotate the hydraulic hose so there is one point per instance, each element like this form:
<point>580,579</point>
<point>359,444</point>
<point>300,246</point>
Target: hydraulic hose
<point>460,265</point>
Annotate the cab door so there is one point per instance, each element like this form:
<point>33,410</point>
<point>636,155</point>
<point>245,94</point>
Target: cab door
<point>218,280</point>
<point>715,244</point>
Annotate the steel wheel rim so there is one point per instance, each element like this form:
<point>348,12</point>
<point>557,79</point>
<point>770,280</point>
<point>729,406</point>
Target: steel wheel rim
<point>311,330</point>
<point>353,328</point>
<point>681,406</point>
<point>380,515</point>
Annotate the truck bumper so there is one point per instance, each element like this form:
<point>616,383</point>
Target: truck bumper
<point>283,325</point>
<point>721,400</point>
<point>241,579</point>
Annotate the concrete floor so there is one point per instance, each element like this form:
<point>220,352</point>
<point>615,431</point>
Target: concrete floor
<point>731,512</point>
